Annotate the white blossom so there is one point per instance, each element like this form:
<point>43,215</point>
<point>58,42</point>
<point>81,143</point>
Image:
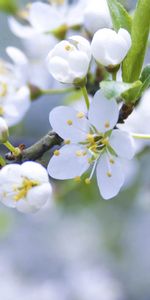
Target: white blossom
<point>110,48</point>
<point>97,16</point>
<point>25,187</point>
<point>138,121</point>
<point>69,61</point>
<point>37,46</point>
<point>91,141</point>
<point>3,131</point>
<point>46,18</point>
<point>14,93</point>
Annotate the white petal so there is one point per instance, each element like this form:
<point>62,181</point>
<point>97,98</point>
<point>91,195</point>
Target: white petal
<point>34,171</point>
<point>109,186</point>
<point>39,195</point>
<point>17,56</point>
<point>59,118</point>
<point>59,69</point>
<point>44,17</point>
<point>78,64</point>
<point>82,44</point>
<point>35,200</point>
<point>22,31</point>
<point>123,143</point>
<point>103,113</point>
<point>24,207</point>
<point>68,165</point>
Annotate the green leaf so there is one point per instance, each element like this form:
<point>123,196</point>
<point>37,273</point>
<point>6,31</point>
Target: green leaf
<point>133,63</point>
<point>145,78</point>
<point>8,6</point>
<point>119,15</point>
<point>129,92</point>
<point>133,93</point>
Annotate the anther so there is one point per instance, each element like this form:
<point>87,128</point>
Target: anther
<point>68,47</point>
<point>67,142</point>
<point>109,174</point>
<point>1,111</point>
<point>80,115</point>
<point>56,152</point>
<point>69,122</point>
<point>107,124</point>
<point>77,179</point>
<point>112,161</point>
<point>90,138</point>
<point>87,181</point>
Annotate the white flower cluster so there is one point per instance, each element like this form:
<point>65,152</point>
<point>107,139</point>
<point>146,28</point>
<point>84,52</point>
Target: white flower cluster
<point>92,139</point>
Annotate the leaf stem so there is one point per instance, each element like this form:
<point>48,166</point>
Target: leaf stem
<point>85,95</point>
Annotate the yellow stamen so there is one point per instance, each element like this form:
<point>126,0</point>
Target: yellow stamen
<point>112,161</point>
<point>107,124</point>
<point>90,138</point>
<point>80,115</point>
<point>109,174</point>
<point>105,141</point>
<point>69,122</point>
<point>68,48</point>
<point>23,190</point>
<point>67,142</point>
<point>77,179</point>
<point>56,152</point>
<point>1,111</point>
<point>3,91</point>
<point>87,181</point>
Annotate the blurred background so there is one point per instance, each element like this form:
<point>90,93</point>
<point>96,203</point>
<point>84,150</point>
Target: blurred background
<point>81,247</point>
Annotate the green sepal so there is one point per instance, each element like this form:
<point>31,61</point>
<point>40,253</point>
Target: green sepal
<point>119,15</point>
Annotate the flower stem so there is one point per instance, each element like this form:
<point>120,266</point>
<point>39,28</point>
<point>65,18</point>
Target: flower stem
<point>85,95</point>
<point>141,136</point>
<point>2,161</point>
<point>114,76</point>
<point>57,91</point>
<point>14,150</point>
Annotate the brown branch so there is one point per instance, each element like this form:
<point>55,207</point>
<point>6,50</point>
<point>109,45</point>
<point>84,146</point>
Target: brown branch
<point>37,150</point>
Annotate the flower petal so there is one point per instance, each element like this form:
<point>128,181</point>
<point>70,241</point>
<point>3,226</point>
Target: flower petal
<point>44,17</point>
<point>66,123</point>
<point>103,113</point>
<point>17,56</point>
<point>68,164</point>
<point>78,64</point>
<point>22,31</point>
<point>34,171</point>
<point>59,69</point>
<point>110,177</point>
<point>35,200</point>
<point>123,143</point>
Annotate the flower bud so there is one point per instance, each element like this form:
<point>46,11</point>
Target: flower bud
<point>4,134</point>
<point>69,61</point>
<point>110,48</point>
<point>97,16</point>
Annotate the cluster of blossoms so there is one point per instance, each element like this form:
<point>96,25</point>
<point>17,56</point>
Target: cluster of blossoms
<point>92,138</point>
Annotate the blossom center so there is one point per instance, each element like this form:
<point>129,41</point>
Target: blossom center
<point>3,89</point>
<point>22,190</point>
